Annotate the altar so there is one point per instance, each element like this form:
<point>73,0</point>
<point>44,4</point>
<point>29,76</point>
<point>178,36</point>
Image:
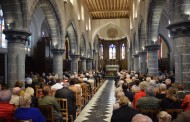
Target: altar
<point>111,70</point>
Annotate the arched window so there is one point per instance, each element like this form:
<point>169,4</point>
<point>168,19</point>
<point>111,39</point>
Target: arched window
<point>123,51</point>
<point>112,51</point>
<point>3,41</point>
<point>101,51</point>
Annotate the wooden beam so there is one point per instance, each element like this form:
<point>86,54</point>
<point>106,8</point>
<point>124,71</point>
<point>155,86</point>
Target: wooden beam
<point>105,11</point>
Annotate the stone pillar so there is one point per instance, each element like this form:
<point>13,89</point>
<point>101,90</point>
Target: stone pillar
<point>132,64</point>
<point>96,60</point>
<point>152,62</point>
<point>128,61</point>
<point>89,63</point>
<point>142,62</point>
<point>136,62</point>
<point>83,60</point>
<point>16,55</point>
<point>58,61</point>
<point>74,63</point>
<point>181,35</point>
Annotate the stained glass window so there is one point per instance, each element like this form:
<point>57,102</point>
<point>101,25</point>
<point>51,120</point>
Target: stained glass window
<point>3,41</point>
<point>101,52</point>
<point>123,51</point>
<point>112,51</point>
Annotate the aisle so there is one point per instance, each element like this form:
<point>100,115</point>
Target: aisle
<point>100,107</point>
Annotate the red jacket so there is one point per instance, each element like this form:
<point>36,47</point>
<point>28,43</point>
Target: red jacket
<point>186,103</point>
<point>7,111</point>
<point>137,97</point>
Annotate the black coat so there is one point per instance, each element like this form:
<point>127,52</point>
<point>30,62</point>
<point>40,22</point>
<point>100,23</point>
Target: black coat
<point>71,99</point>
<point>123,114</point>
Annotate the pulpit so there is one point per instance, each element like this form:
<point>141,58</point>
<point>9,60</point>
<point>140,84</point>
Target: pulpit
<point>111,70</point>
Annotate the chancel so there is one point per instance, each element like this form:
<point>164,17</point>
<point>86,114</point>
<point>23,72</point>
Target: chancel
<point>111,59</point>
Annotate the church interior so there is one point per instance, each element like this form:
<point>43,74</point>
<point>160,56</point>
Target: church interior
<point>104,44</point>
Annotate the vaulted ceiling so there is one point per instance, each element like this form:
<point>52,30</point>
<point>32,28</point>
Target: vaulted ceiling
<point>109,9</point>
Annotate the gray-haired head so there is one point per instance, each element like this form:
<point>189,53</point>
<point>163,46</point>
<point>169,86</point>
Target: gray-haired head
<point>149,91</point>
<point>141,118</point>
<point>5,95</point>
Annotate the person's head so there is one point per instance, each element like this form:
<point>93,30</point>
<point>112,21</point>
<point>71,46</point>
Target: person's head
<point>19,84</point>
<point>141,118</point>
<point>163,116</point>
<point>149,91</point>
<point>162,87</point>
<point>148,79</point>
<point>72,81</point>
<point>46,90</point>
<point>171,94</point>
<point>119,94</point>
<point>123,100</point>
<point>25,100</point>
<point>143,86</point>
<point>30,91</point>
<point>5,95</point>
<point>16,91</point>
<point>168,82</point>
<point>125,86</point>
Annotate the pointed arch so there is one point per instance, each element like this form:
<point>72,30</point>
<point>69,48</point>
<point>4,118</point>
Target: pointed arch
<point>83,45</point>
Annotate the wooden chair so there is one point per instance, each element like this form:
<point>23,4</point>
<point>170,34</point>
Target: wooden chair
<point>174,112</point>
<point>47,111</point>
<point>64,109</point>
<point>152,113</point>
<point>16,120</point>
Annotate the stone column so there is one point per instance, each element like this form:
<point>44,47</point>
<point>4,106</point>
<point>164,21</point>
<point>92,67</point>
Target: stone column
<point>74,63</point>
<point>16,55</point>
<point>96,60</point>
<point>181,35</point>
<point>83,60</point>
<point>136,62</point>
<point>152,62</point>
<point>128,61</point>
<point>58,61</point>
<point>89,63</point>
<point>142,62</point>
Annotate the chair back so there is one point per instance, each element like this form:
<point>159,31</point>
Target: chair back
<point>47,111</point>
<point>174,112</point>
<point>16,120</point>
<point>64,108</point>
<point>152,113</point>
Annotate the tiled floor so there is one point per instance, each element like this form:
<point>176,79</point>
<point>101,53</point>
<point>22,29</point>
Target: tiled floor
<point>100,107</point>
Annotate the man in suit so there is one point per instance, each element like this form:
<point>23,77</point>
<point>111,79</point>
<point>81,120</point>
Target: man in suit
<point>68,94</point>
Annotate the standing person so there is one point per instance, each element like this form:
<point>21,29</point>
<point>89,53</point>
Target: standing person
<point>68,94</point>
<point>48,99</point>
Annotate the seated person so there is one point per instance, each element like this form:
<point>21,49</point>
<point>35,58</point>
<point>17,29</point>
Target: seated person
<point>183,117</point>
<point>162,91</point>
<point>171,101</point>
<point>6,109</point>
<point>15,96</point>
<point>124,113</point>
<point>149,101</point>
<point>48,99</point>
<point>30,91</point>
<point>118,96</point>
<point>25,112</point>
<point>186,103</point>
<point>163,116</point>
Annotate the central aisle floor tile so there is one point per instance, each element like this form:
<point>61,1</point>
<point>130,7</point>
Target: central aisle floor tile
<point>100,107</point>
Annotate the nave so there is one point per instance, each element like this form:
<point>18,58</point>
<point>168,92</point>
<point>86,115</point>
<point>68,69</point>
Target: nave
<point>100,107</point>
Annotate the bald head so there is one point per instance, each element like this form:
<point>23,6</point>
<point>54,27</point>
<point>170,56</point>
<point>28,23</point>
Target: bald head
<point>5,95</point>
<point>141,118</point>
<point>16,91</point>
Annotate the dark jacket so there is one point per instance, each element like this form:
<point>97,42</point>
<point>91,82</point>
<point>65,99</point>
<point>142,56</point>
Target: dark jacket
<point>123,114</point>
<point>71,99</point>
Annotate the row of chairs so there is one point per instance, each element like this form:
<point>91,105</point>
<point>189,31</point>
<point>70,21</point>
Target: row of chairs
<point>152,113</point>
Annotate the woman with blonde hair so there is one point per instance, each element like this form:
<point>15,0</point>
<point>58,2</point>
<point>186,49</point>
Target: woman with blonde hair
<point>163,116</point>
<point>124,113</point>
<point>30,91</point>
<point>25,112</point>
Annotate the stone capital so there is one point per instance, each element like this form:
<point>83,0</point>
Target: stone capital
<point>135,55</point>
<point>16,35</point>
<point>142,53</point>
<point>179,29</point>
<point>152,47</point>
<point>89,59</point>
<point>57,51</point>
<point>74,56</point>
<point>83,58</point>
